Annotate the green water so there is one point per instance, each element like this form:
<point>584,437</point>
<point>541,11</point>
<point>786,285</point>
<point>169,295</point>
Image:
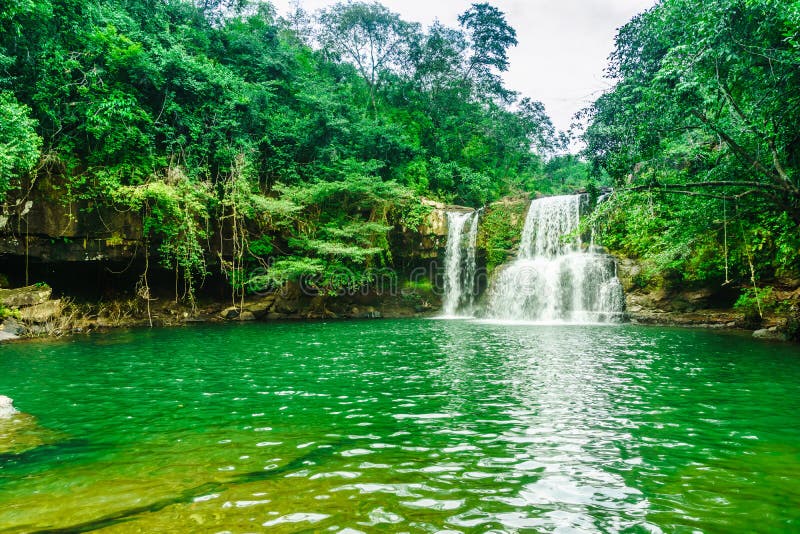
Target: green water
<point>402,426</point>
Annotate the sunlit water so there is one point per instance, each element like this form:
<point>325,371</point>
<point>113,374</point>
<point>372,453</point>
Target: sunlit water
<point>402,426</point>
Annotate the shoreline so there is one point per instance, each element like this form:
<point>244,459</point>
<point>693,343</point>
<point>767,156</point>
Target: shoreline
<point>717,319</point>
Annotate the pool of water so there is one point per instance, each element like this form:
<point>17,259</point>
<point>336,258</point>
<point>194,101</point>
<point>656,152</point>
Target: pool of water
<point>413,426</point>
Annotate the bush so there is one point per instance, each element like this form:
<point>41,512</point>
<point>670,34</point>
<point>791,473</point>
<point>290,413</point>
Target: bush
<point>753,302</point>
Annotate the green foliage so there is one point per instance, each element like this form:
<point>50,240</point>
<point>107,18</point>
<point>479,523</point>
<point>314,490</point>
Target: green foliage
<point>490,38</point>
<point>9,313</point>
<point>19,143</point>
<point>342,229</point>
<point>413,213</point>
<point>700,137</point>
<point>754,302</point>
<point>262,246</point>
<point>176,213</point>
<point>421,285</point>
<point>500,229</point>
<point>565,174</point>
<point>217,116</point>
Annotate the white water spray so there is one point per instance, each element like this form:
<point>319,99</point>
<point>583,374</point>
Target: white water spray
<point>459,263</point>
<point>555,278</point>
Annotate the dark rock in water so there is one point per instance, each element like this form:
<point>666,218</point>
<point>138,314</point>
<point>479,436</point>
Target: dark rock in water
<point>274,316</point>
<point>771,334</point>
<point>229,313</point>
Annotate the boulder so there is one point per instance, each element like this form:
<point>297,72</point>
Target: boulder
<point>287,306</point>
<point>25,296</point>
<point>369,313</point>
<point>261,306</point>
<point>42,313</point>
<point>230,313</point>
<point>7,336</point>
<point>12,326</point>
<point>770,333</point>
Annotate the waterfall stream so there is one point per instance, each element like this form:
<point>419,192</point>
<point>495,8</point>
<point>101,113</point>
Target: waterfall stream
<point>459,263</point>
<point>555,278</point>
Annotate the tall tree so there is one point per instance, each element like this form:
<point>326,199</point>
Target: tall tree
<point>490,37</point>
<point>369,36</point>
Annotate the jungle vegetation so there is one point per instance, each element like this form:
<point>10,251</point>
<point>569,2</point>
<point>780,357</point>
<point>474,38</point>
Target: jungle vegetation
<point>298,141</point>
<point>303,138</point>
<point>701,136</point>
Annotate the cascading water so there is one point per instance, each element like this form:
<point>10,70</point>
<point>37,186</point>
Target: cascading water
<point>459,263</point>
<point>555,278</point>
<point>470,266</point>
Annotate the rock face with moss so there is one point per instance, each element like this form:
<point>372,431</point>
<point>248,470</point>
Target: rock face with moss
<point>41,225</point>
<point>500,229</point>
<point>60,239</point>
<point>655,299</point>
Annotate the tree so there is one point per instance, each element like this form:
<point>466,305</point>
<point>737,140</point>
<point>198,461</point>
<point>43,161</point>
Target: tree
<point>715,87</point>
<point>19,144</point>
<point>370,36</point>
<point>490,37</point>
<point>701,134</point>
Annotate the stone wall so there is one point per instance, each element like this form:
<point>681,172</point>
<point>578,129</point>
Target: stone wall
<point>41,226</point>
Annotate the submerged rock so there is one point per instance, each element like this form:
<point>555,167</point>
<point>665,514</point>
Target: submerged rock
<point>20,432</point>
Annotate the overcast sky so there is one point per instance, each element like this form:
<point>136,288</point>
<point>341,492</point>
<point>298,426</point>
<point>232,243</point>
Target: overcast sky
<point>563,44</point>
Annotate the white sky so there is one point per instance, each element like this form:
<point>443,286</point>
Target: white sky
<point>563,44</point>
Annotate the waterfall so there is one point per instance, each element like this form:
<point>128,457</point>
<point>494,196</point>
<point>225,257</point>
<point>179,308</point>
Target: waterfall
<point>554,277</point>
<point>471,266</point>
<point>459,263</point>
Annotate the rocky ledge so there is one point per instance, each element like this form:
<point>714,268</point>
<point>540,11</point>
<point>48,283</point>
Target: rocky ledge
<point>31,312</point>
<point>28,311</point>
<point>662,303</point>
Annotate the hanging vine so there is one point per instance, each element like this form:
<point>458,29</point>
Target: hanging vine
<point>175,210</point>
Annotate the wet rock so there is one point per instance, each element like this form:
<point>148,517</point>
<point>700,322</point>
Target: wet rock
<point>7,336</point>
<point>260,307</point>
<point>369,313</point>
<point>12,326</point>
<point>42,313</point>
<point>275,316</point>
<point>230,313</point>
<point>770,333</point>
<point>287,306</point>
<point>20,432</point>
<point>25,296</point>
